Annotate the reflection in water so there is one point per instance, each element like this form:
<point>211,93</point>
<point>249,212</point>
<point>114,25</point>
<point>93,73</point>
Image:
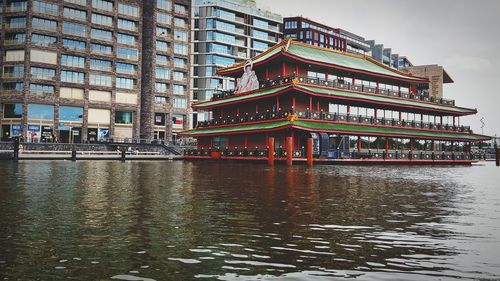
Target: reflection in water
<point>189,220</point>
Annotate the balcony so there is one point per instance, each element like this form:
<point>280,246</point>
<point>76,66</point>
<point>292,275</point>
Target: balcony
<point>11,75</point>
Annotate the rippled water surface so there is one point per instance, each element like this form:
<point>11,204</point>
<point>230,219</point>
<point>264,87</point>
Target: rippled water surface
<point>204,221</point>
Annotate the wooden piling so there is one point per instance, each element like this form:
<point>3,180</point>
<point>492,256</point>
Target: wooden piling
<point>289,151</point>
<point>123,155</point>
<point>270,153</point>
<point>16,148</point>
<point>309,152</point>
<point>498,156</point>
<point>73,155</point>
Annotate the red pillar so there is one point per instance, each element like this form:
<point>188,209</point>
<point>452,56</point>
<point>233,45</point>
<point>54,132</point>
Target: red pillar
<point>277,103</point>
<point>386,145</point>
<point>348,109</point>
<point>317,106</point>
<point>375,113</point>
<point>326,75</point>
<point>411,144</point>
<point>401,116</point>
<point>283,70</point>
<point>267,73</point>
<point>297,70</point>
<point>270,155</point>
<point>289,151</point>
<point>293,103</point>
<point>309,151</point>
<point>359,144</point>
<point>432,146</point>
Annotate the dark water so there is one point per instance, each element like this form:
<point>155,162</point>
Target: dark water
<point>204,221</point>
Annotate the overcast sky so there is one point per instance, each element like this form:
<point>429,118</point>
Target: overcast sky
<point>462,36</point>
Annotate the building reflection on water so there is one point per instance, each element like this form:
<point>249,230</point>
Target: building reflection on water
<point>178,220</point>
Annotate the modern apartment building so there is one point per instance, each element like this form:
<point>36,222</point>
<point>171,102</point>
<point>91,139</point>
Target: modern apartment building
<point>166,72</point>
<point>226,32</point>
<point>73,69</point>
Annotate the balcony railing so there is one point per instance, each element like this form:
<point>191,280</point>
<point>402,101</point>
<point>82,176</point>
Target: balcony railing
<point>334,117</point>
<point>339,84</point>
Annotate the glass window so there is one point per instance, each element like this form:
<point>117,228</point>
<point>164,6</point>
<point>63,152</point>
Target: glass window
<point>97,64</point>
<point>161,87</point>
<point>102,19</point>
<point>125,53</point>
<point>15,71</point>
<point>161,31</point>
<point>45,24</point>
<point>179,102</point>
<point>43,73</point>
<point>123,117</point>
<point>181,35</point>
<point>180,22</point>
<point>127,24</point>
<point>43,40</point>
<point>180,49</point>
<point>181,9</point>
<point>164,4</point>
<point>179,89</point>
<point>162,73</point>
<point>75,14</point>
<point>41,89</point>
<point>17,6</point>
<point>45,8</point>
<point>74,29</point>
<point>159,99</point>
<point>125,83</point>
<point>102,49</point>
<point>101,34</point>
<point>163,18</point>
<point>260,23</point>
<point>100,80</point>
<point>16,87</point>
<point>260,45</point>
<point>15,38</point>
<point>179,62</point>
<point>161,59</point>
<point>126,39</point>
<point>161,46</point>
<point>74,44</point>
<point>102,5</point>
<point>71,113</point>
<point>125,68</point>
<point>128,10</point>
<point>260,34</point>
<point>179,76</point>
<point>159,119</point>
<point>225,14</point>
<point>41,111</point>
<point>17,22</point>
<point>12,110</point>
<point>72,76</point>
<point>73,61</point>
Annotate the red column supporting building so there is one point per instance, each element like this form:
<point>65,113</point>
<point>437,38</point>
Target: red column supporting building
<point>309,150</point>
<point>386,145</point>
<point>411,145</point>
<point>267,73</point>
<point>289,151</point>
<point>310,103</point>
<point>359,144</point>
<point>277,103</point>
<point>270,155</point>
<point>283,70</point>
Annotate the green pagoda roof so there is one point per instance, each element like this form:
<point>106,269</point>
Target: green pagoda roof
<point>334,128</point>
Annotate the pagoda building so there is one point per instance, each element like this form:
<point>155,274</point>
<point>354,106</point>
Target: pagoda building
<point>296,102</point>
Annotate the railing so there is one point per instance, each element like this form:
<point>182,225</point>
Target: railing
<point>335,117</point>
<point>340,84</point>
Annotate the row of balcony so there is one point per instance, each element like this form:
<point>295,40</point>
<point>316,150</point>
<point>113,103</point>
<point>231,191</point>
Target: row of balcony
<point>334,154</point>
<point>343,85</point>
<point>336,117</point>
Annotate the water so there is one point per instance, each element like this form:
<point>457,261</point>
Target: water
<point>204,221</point>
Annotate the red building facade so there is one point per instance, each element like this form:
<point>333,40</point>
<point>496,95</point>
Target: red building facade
<point>349,107</point>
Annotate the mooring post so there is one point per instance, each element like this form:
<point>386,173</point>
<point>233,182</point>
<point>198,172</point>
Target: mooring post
<point>289,151</point>
<point>123,155</point>
<point>309,150</point>
<point>498,156</point>
<point>270,151</point>
<point>16,148</point>
<point>73,155</point>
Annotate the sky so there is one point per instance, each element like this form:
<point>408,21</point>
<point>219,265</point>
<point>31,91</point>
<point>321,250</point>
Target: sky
<point>463,36</point>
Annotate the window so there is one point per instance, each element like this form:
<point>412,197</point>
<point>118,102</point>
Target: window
<point>100,80</point>
<point>161,59</point>
<point>179,76</point>
<point>125,53</point>
<point>161,87</point>
<point>15,38</point>
<point>102,49</point>
<point>161,46</point>
<point>162,73</point>
<point>179,22</point>
<point>16,71</point>
<point>163,18</point>
<point>75,14</point>
<point>97,64</point>
<point>219,60</point>
<point>260,45</point>
<point>179,102</point>
<point>126,68</point>
<point>73,61</point>
<point>45,8</point>
<point>74,44</point>
<point>260,34</point>
<point>71,113</point>
<point>43,40</point>
<point>225,14</point>
<point>43,73</point>
<point>177,121</point>
<point>224,38</point>
<point>123,117</point>
<point>40,111</point>
<point>102,19</point>
<point>101,34</point>
<point>219,48</point>
<point>128,10</point>
<point>159,99</point>
<point>126,39</point>
<point>45,24</point>
<point>72,76</point>
<point>74,29</point>
<point>161,31</point>
<point>12,110</point>
<point>178,62</point>
<point>180,49</point>
<point>78,2</point>
<point>181,35</point>
<point>17,6</point>
<point>102,5</point>
<point>179,89</point>
<point>291,25</point>
<point>14,55</point>
<point>159,119</point>
<point>127,24</point>
<point>164,4</point>
<point>260,23</point>
<point>15,87</point>
<point>181,9</point>
<point>125,83</point>
<point>17,22</point>
<point>41,89</point>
